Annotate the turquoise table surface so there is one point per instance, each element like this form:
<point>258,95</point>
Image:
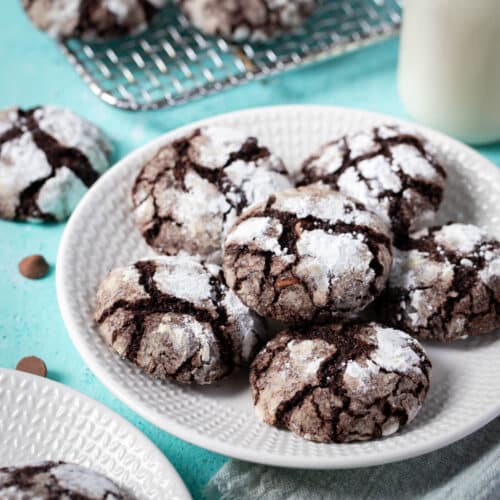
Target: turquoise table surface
<point>33,71</point>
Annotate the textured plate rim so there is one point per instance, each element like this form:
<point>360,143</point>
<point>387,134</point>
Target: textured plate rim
<point>177,482</point>
<point>193,436</point>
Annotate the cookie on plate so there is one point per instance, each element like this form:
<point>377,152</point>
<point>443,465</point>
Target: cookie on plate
<point>175,318</point>
<point>192,190</point>
<point>307,254</point>
<point>240,20</point>
<point>340,383</point>
<point>51,480</point>
<point>91,19</point>
<point>49,157</point>
<point>445,284</point>
<point>393,171</point>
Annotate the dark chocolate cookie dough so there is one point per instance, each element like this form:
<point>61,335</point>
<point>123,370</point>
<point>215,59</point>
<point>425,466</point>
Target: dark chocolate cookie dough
<point>307,254</point>
<point>445,284</point>
<point>175,318</point>
<point>187,196</point>
<point>91,19</point>
<point>56,480</point>
<point>393,171</point>
<point>340,383</point>
<point>49,157</point>
<point>239,20</point>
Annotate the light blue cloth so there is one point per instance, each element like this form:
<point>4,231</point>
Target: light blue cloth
<point>33,71</point>
<point>467,470</point>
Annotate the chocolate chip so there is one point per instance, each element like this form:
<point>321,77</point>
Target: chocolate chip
<point>32,364</point>
<point>34,267</point>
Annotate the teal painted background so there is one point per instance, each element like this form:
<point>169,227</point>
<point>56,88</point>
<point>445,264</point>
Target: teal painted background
<point>33,71</point>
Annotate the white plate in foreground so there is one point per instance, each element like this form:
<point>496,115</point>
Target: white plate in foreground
<point>43,420</point>
<point>101,234</point>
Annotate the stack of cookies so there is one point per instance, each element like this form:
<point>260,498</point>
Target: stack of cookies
<point>343,257</point>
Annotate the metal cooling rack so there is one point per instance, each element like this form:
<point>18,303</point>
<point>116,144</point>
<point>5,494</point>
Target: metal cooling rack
<point>172,63</point>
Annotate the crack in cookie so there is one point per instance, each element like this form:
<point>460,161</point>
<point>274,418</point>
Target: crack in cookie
<point>340,383</point>
<point>445,284</point>
<point>175,318</point>
<point>307,255</point>
<point>392,171</point>
<point>52,480</point>
<point>194,188</point>
<point>48,158</point>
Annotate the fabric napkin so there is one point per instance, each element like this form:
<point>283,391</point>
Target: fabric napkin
<point>466,470</point>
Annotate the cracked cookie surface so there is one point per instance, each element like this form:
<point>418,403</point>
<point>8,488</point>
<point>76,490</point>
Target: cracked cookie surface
<point>445,284</point>
<point>393,171</point>
<point>187,196</point>
<point>175,318</point>
<point>91,19</point>
<point>254,20</point>
<point>341,382</point>
<point>308,254</point>
<point>49,157</point>
<point>57,480</point>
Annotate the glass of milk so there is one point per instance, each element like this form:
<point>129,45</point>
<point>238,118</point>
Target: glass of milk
<point>449,66</point>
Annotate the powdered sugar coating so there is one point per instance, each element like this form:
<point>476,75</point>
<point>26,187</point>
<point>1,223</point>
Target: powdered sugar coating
<point>445,283</point>
<point>187,196</point>
<point>48,158</point>
<point>91,20</point>
<point>392,170</point>
<point>49,480</point>
<point>175,318</point>
<point>239,20</point>
<point>307,253</point>
<point>340,383</point>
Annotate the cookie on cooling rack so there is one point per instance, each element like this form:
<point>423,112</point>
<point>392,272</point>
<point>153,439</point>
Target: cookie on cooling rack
<point>307,254</point>
<point>91,19</point>
<point>392,170</point>
<point>445,284</point>
<point>193,189</point>
<point>50,480</point>
<point>240,20</point>
<point>340,383</point>
<point>49,157</point>
<point>175,318</point>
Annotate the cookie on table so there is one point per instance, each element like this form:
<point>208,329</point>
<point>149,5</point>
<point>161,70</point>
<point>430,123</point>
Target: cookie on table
<point>307,254</point>
<point>91,19</point>
<point>340,383</point>
<point>187,196</point>
<point>175,318</point>
<point>240,20</point>
<point>445,284</point>
<point>51,480</point>
<point>393,171</point>
<point>49,157</point>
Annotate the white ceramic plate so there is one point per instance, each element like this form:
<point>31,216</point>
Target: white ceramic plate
<point>465,392</point>
<point>44,420</point>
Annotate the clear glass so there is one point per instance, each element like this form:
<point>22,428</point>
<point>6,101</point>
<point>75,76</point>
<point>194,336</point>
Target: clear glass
<point>449,66</point>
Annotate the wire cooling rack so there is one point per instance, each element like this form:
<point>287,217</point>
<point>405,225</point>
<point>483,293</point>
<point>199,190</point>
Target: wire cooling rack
<point>172,62</point>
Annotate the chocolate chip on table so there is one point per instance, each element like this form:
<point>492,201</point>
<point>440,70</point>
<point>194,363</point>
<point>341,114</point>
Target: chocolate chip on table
<point>32,364</point>
<point>34,267</point>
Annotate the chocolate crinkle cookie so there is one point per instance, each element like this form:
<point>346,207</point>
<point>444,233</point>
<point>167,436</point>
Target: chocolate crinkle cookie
<point>49,157</point>
<point>57,480</point>
<point>175,318</point>
<point>240,20</point>
<point>91,19</point>
<point>393,171</point>
<point>193,189</point>
<point>307,254</point>
<point>445,284</point>
<point>340,383</point>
